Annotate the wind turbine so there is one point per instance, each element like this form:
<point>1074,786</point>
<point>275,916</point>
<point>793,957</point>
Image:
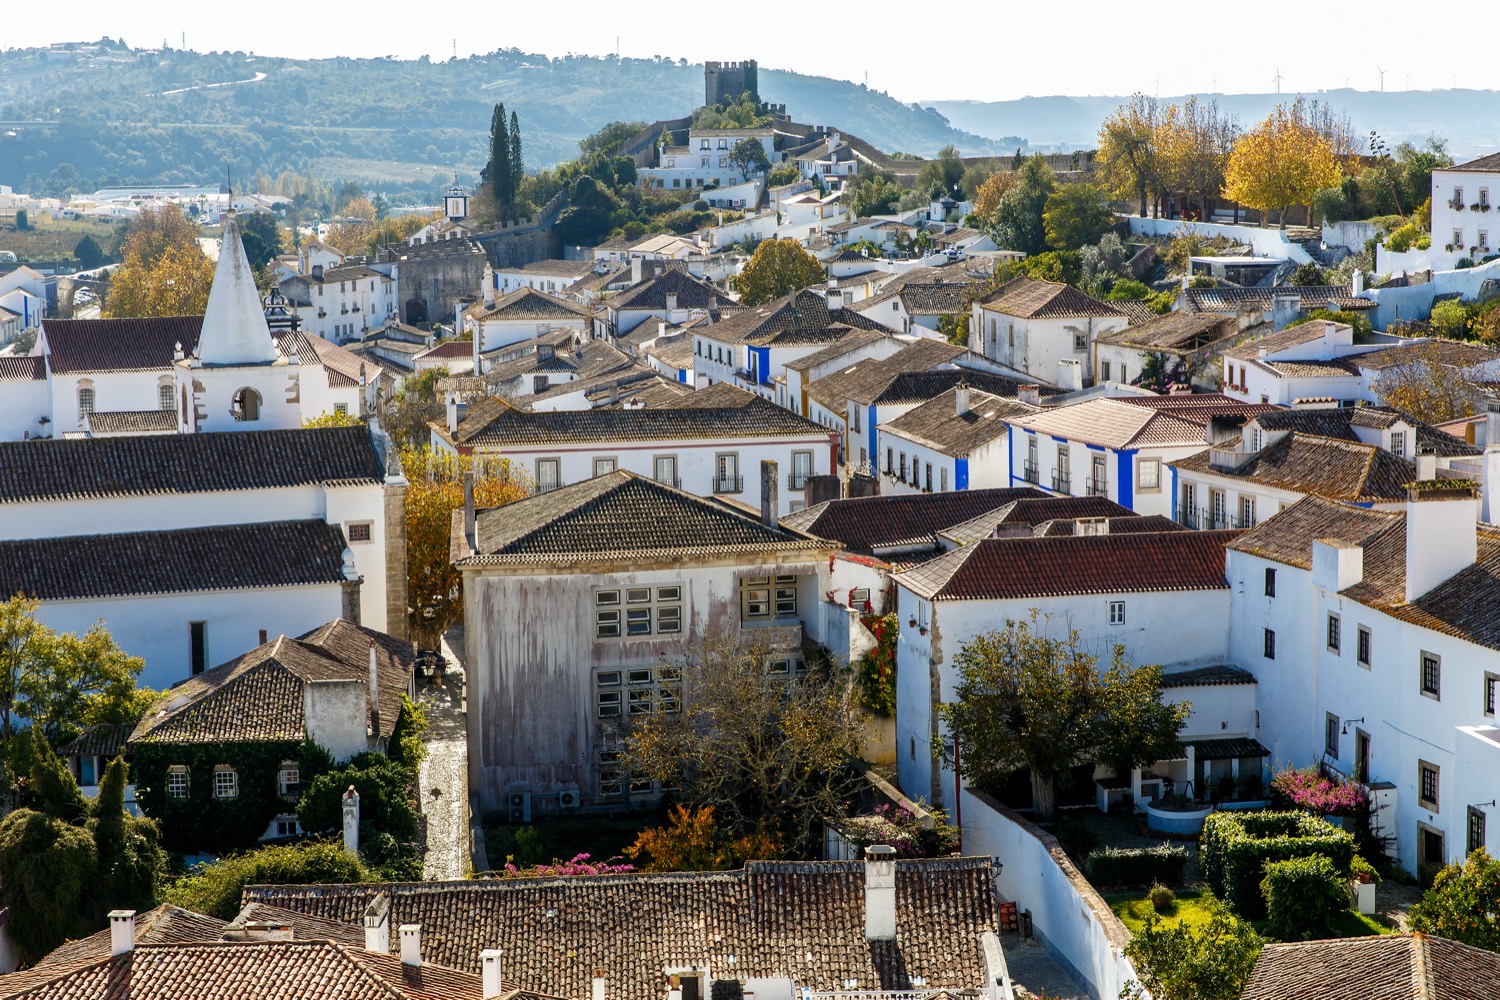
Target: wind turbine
<point>1277,79</point>
<point>1382,78</point>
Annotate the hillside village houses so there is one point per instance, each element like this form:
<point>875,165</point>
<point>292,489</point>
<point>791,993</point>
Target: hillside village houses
<point>1045,329</point>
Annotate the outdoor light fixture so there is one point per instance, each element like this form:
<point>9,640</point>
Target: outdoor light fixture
<point>1344,731</point>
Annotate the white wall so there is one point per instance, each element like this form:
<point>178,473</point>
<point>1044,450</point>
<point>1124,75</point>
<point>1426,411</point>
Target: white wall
<point>1263,242</point>
<point>22,405</point>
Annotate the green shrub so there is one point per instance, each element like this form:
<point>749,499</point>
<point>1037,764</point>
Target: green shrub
<point>1359,866</point>
<point>1449,318</point>
<point>1163,899</point>
<point>1303,896</point>
<point>1163,863</point>
<point>1128,290</point>
<point>1236,846</point>
<point>1404,238</point>
<point>215,889</point>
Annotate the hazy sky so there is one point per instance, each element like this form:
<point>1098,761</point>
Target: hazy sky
<point>964,49</point>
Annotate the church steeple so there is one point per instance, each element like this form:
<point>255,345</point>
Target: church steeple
<point>234,324</point>
<point>456,202</point>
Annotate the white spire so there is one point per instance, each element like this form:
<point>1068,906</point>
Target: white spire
<point>234,324</point>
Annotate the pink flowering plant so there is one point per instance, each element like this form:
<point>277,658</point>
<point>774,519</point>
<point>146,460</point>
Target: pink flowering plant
<point>579,865</point>
<point>897,826</point>
<point>1307,789</point>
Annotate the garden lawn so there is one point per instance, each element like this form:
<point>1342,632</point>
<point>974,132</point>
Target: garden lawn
<point>1133,908</point>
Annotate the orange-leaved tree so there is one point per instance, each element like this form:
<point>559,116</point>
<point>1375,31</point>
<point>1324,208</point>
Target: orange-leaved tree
<point>1281,162</point>
<point>436,490</point>
<point>693,842</point>
<point>165,273</point>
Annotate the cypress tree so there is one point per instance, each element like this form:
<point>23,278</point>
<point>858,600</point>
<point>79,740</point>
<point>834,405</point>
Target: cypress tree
<point>497,172</point>
<point>517,169</point>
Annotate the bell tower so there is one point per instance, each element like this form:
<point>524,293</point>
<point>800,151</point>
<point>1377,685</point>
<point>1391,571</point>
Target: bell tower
<point>456,203</point>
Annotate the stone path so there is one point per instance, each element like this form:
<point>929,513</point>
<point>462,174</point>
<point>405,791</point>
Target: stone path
<point>1392,900</point>
<point>1034,972</point>
<point>444,777</point>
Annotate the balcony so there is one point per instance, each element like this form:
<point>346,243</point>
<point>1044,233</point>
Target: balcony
<point>1203,519</point>
<point>1062,482</point>
<point>1028,472</point>
<point>1098,487</point>
<point>798,480</point>
<point>676,484</point>
<point>729,484</point>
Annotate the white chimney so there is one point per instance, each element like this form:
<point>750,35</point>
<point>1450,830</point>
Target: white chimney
<point>880,893</point>
<point>598,985</point>
<point>1031,395</point>
<point>470,537</point>
<point>121,931</point>
<point>451,402</point>
<point>1441,537</point>
<point>489,285</point>
<point>1069,375</point>
<point>378,924</point>
<point>671,306</point>
<point>374,694</point>
<point>411,945</point>
<point>961,399</point>
<point>350,802</point>
<point>1337,565</point>
<point>489,972</point>
<point>1426,467</point>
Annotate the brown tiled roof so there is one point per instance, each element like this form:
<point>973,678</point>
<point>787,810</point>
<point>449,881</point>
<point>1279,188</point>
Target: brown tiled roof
<point>1288,537</point>
<point>1016,568</point>
<point>921,386</point>
<point>1034,511</point>
<point>1331,368</point>
<point>1134,524</point>
<point>561,268</point>
<point>162,925</point>
<point>1201,407</point>
<point>180,561</point>
<point>847,344</point>
<point>102,740</point>
<point>1037,299</point>
<point>867,379</point>
<point>304,927</point>
<point>1292,336</point>
<point>798,920</point>
<point>1340,421</point>
<point>1379,967</point>
<point>499,424</point>
<point>938,425</point>
<point>1312,297</point>
<point>245,970</point>
<point>1114,423</point>
<point>1176,331</point>
<point>461,349</point>
<point>1332,468</point>
<point>186,463</point>
<point>134,422</point>
<point>257,697</point>
<point>1136,312</point>
<point>867,525</point>
<point>652,293</point>
<point>1214,676</point>
<point>528,303</point>
<point>98,345</point>
<point>22,369</point>
<point>1486,164</point>
<point>1459,353</point>
<point>616,514</point>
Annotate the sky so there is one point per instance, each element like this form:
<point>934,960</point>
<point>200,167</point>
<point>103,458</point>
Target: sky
<point>983,51</point>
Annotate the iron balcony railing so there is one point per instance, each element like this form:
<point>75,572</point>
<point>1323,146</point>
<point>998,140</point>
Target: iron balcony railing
<point>1062,482</point>
<point>1204,519</point>
<point>1098,487</point>
<point>1028,472</point>
<point>729,484</point>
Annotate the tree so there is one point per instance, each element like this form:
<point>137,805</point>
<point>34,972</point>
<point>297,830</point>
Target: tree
<point>262,237</point>
<point>338,418</point>
<point>215,889</point>
<point>516,163</point>
<point>415,405</point>
<point>770,749</point>
<point>1427,388</point>
<point>1193,142</point>
<point>1128,157</point>
<point>177,284</point>
<point>1018,223</point>
<point>877,195</point>
<point>436,490</point>
<point>610,139</point>
<point>496,172</point>
<point>987,199</point>
<point>88,253</point>
<point>939,178</point>
<point>1028,700</point>
<point>1463,903</point>
<point>778,266</point>
<point>23,220</point>
<point>1211,962</point>
<point>1076,215</point>
<point>1281,162</point>
<point>749,156</point>
<point>693,842</point>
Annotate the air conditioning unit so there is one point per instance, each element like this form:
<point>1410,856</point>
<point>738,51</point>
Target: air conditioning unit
<point>519,807</point>
<point>568,798</point>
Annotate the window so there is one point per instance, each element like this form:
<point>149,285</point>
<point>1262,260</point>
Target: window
<point>1148,474</point>
<point>1484,238</point>
<point>85,401</point>
<point>246,405</point>
<point>1484,196</point>
<point>1247,512</point>
<point>1432,675</point>
<point>1429,775</point>
<point>647,611</point>
<point>226,782</point>
<point>603,466</point>
<point>1334,626</point>
<point>1331,735</point>
<point>765,598</point>
<point>1269,640</point>
<point>1104,371</point>
<point>166,397</point>
<point>548,474</point>
<point>802,462</point>
<point>943,479</point>
<point>890,460</point>
<point>1062,474</point>
<point>1270,582</point>
<point>703,144</point>
<point>287,825</point>
<point>902,476</point>
<point>198,646</point>
<point>854,419</point>
<point>1398,444</point>
<point>1080,343</point>
<point>1257,439</point>
<point>929,477</point>
<point>1117,612</point>
<point>1458,238</point>
<point>666,469</point>
<point>1362,647</point>
<point>1476,828</point>
<point>1491,684</point>
<point>1458,196</point>
<point>360,531</point>
<point>606,614</point>
<point>289,780</point>
<point>723,143</point>
<point>727,473</point>
<point>177,781</point>
<point>1098,482</point>
<point>1219,509</point>
<point>859,597</point>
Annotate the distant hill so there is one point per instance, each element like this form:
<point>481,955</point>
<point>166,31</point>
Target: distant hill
<point>1468,119</point>
<point>147,116</point>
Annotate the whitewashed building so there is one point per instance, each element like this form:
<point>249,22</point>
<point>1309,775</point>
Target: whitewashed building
<point>522,315</point>
<point>1043,328</point>
<point>340,304</point>
<point>958,440</point>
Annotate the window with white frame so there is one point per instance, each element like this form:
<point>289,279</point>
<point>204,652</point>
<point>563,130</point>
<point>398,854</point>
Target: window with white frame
<point>766,598</point>
<point>637,691</point>
<point>287,825</point>
<point>1148,473</point>
<point>226,782</point>
<point>637,611</point>
<point>802,463</point>
<point>177,781</point>
<point>603,466</point>
<point>1117,612</point>
<point>85,400</point>
<point>289,779</point>
<point>166,396</point>
<point>1247,512</point>
<point>943,479</point>
<point>665,468</point>
<point>548,474</point>
<point>1398,444</point>
<point>1080,343</point>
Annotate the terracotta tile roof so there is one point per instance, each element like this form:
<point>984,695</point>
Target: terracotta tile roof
<point>447,350</point>
<point>22,369</point>
<point>134,422</point>
<point>304,927</point>
<point>1133,524</point>
<point>1380,967</point>
<point>1175,331</point>
<point>1461,606</point>
<point>186,463</point>
<point>869,525</point>
<point>254,970</point>
<point>1333,368</point>
<point>1312,297</point>
<point>102,740</point>
<point>1214,676</point>
<point>561,268</point>
<point>659,392</point>
<point>922,386</point>
<point>181,561</point>
<point>864,380</point>
<point>1459,353</point>
<point>1292,336</point>
<point>797,920</point>
<point>1228,748</point>
<point>1335,469</point>
<point>1114,423</point>
<point>850,342</point>
<point>1018,568</point>
<point>1036,299</point>
<point>652,293</point>
<point>1201,407</point>
<point>617,514</point>
<point>95,345</point>
<point>162,925</point>
<point>927,298</point>
<point>1032,512</point>
<point>938,425</point>
<point>1136,312</point>
<point>1486,164</point>
<point>528,303</point>
<point>257,697</point>
<point>1340,421</point>
<point>1288,537</point>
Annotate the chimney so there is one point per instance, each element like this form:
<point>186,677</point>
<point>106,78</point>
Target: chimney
<point>614,392</point>
<point>635,270</point>
<point>470,535</point>
<point>1358,286</point>
<point>489,972</point>
<point>1330,338</point>
<point>1426,467</point>
<point>880,893</point>
<point>661,329</point>
<point>374,693</point>
<point>351,820</point>
<point>450,401</point>
<point>1031,395</point>
<point>671,305</point>
<point>411,945</point>
<point>1285,308</point>
<point>489,285</point>
<point>961,399</point>
<point>1246,315</point>
<point>1337,565</point>
<point>768,500</point>
<point>545,352</point>
<point>317,272</point>
<point>121,931</point>
<point>1441,538</point>
<point>1069,375</point>
<point>378,924</point>
<point>599,983</point>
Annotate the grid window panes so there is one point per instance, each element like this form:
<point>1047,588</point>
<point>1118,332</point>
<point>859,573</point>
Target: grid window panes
<point>289,780</point>
<point>1476,828</point>
<point>637,691</point>
<point>1270,582</point>
<point>769,597</point>
<point>1491,692</point>
<point>1362,645</point>
<point>226,782</point>
<point>548,474</point>
<point>1117,612</point>
<point>1331,735</point>
<point>1429,784</point>
<point>638,611</point>
<point>1269,640</point>
<point>1432,675</point>
<point>177,781</point>
<point>603,466</point>
<point>1334,636</point>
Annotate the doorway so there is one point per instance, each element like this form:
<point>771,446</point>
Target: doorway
<point>1361,756</point>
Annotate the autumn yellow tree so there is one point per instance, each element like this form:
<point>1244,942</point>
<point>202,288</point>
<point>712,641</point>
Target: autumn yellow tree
<point>1425,387</point>
<point>1128,161</point>
<point>436,490</point>
<point>987,200</point>
<point>1281,162</point>
<point>165,272</point>
<point>778,266</point>
<point>1193,141</point>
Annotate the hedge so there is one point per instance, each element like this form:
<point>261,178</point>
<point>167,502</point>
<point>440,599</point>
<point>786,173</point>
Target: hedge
<point>1236,846</point>
<point>1137,865</point>
<point>1303,895</point>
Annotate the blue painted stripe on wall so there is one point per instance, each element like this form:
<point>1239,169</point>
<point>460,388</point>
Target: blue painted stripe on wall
<point>1125,479</point>
<point>960,473</point>
<point>1174,494</point>
<point>870,429</point>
